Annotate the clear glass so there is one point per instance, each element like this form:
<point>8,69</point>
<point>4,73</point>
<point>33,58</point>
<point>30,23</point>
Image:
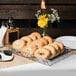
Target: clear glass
<point>44,32</point>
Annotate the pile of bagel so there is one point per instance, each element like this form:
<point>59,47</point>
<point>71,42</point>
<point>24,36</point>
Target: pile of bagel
<point>34,44</point>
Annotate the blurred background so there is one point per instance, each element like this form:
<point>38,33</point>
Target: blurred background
<point>23,13</point>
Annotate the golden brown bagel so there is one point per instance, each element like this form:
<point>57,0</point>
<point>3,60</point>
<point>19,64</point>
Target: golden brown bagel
<point>31,49</point>
<point>43,40</point>
<point>60,45</point>
<point>43,53</point>
<point>49,39</point>
<point>27,40</point>
<point>38,44</point>
<point>52,50</point>
<point>32,37</point>
<point>36,35</point>
<point>18,44</point>
<point>56,47</point>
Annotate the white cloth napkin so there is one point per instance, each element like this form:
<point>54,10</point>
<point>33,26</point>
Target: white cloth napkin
<point>3,30</point>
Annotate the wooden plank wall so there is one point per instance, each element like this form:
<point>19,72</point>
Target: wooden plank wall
<point>37,1</point>
<point>24,9</point>
<point>53,32</point>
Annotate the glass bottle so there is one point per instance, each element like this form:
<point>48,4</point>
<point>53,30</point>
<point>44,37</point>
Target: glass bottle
<point>10,22</point>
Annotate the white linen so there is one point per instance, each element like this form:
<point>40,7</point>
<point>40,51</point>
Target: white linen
<point>61,68</point>
<point>3,30</point>
<point>66,64</point>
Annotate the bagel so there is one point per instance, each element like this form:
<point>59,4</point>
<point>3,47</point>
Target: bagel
<point>18,44</point>
<point>52,50</point>
<point>61,46</point>
<point>43,40</point>
<point>38,44</point>
<point>49,39</point>
<point>31,49</point>
<point>23,49</point>
<point>27,40</point>
<point>36,35</point>
<point>32,37</point>
<point>56,47</point>
<point>43,53</point>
